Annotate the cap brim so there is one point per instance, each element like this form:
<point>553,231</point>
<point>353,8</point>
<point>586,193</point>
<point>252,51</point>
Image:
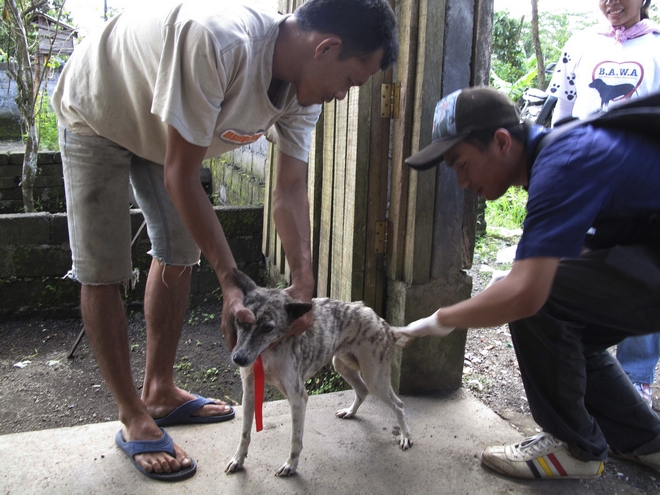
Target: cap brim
<point>433,154</point>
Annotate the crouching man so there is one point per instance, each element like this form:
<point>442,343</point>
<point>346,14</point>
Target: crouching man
<point>565,305</point>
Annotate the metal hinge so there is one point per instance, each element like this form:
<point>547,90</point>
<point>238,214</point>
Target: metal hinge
<point>390,95</point>
<point>381,238</point>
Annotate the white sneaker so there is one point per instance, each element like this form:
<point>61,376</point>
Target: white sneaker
<point>539,457</point>
<point>649,460</point>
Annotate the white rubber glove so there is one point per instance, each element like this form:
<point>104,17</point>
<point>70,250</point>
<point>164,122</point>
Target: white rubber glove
<point>497,276</point>
<point>421,328</point>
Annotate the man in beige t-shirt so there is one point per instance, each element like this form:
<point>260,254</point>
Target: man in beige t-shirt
<point>145,101</point>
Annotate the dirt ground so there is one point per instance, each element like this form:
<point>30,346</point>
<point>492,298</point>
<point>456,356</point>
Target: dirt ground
<point>41,387</point>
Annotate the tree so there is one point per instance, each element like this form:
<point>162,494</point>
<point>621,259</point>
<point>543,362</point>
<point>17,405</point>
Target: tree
<point>540,66</point>
<point>28,67</point>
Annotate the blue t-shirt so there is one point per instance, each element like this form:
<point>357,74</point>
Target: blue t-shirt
<point>585,176</point>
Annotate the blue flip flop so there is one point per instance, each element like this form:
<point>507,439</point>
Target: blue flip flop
<point>164,444</point>
<point>182,415</point>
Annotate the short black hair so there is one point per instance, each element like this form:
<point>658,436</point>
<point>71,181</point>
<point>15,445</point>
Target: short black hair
<point>644,11</point>
<point>482,139</point>
<point>364,26</point>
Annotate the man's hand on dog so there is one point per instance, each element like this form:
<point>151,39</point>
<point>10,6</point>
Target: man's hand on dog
<point>299,326</point>
<point>421,328</point>
<point>232,307</point>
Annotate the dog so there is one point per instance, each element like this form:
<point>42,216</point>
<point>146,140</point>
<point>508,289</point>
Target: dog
<point>358,341</point>
<point>608,93</point>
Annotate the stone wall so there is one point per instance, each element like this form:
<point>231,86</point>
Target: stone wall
<point>35,255</point>
<point>238,177</point>
<point>48,184</point>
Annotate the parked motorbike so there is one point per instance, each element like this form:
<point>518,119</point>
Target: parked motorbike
<point>536,105</point>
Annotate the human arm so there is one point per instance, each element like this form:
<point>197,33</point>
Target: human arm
<point>562,84</point>
<point>497,276</point>
<point>183,162</point>
<point>522,293</point>
<point>291,215</point>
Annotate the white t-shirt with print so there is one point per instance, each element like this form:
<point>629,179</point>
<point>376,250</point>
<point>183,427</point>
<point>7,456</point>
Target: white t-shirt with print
<point>595,71</point>
<point>202,67</point>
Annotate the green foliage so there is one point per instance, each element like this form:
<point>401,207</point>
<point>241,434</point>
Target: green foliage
<point>507,54</point>
<point>197,316</point>
<point>212,374</point>
<point>184,366</point>
<point>509,210</point>
<point>325,381</point>
<point>46,124</point>
<point>515,89</point>
<point>654,13</point>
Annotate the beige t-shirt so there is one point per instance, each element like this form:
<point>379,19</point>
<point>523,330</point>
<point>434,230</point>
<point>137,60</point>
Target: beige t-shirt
<point>202,67</point>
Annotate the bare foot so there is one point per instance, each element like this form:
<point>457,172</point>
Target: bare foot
<point>159,409</point>
<point>155,462</point>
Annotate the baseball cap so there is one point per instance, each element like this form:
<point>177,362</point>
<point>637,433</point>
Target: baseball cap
<point>460,114</point>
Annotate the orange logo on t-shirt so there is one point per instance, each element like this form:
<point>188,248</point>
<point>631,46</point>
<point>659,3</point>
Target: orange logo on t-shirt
<point>234,136</point>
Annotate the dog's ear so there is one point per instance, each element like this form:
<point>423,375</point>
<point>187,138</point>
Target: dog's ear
<point>296,309</point>
<point>244,282</point>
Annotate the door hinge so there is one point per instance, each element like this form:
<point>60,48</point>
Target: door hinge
<point>381,238</point>
<point>390,96</point>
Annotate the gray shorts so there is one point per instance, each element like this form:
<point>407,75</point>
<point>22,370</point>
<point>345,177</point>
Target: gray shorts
<point>97,177</point>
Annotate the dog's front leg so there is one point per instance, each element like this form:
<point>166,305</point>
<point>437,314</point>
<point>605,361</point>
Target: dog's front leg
<point>298,403</point>
<point>247,377</point>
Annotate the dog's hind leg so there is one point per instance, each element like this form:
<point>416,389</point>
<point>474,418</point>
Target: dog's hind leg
<point>236,463</point>
<point>380,384</point>
<point>352,376</point>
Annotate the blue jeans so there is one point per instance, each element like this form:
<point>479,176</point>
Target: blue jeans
<point>577,390</point>
<point>639,356</point>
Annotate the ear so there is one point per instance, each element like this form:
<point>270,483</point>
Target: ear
<point>502,140</point>
<point>244,282</point>
<point>328,46</point>
<point>296,309</point>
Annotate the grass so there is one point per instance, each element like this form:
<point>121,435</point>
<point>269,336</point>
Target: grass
<point>509,210</point>
<point>325,381</point>
<point>506,212</point>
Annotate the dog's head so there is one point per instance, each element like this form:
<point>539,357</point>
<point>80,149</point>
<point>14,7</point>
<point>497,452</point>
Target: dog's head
<point>274,311</point>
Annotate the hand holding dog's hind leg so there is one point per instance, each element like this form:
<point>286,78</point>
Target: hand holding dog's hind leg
<point>421,328</point>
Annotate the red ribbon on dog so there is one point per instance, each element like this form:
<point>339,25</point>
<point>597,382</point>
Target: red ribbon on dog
<point>258,369</point>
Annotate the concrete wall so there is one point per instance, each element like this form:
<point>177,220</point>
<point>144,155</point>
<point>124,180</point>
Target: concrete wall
<point>238,177</point>
<point>9,115</point>
<point>48,185</point>
<point>8,107</point>
<point>35,255</point>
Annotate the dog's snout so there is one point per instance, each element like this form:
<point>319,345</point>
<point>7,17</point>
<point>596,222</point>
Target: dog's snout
<point>239,358</point>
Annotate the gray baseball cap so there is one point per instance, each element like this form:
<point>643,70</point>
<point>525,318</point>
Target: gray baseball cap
<point>459,114</point>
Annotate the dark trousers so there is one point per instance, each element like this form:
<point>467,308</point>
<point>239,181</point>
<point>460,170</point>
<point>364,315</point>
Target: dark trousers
<point>576,389</point>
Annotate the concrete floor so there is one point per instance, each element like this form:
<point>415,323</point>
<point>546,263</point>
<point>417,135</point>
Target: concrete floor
<point>358,456</point>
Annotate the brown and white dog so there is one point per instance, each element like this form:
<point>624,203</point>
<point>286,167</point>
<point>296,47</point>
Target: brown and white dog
<point>359,342</point>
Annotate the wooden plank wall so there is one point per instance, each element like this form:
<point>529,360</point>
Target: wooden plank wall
<point>402,136</point>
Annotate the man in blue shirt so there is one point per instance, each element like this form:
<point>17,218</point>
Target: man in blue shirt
<point>586,275</point>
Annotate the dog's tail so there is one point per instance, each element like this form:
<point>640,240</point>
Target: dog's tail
<point>402,338</point>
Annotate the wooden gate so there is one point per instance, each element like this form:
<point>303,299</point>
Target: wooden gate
<point>356,172</point>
